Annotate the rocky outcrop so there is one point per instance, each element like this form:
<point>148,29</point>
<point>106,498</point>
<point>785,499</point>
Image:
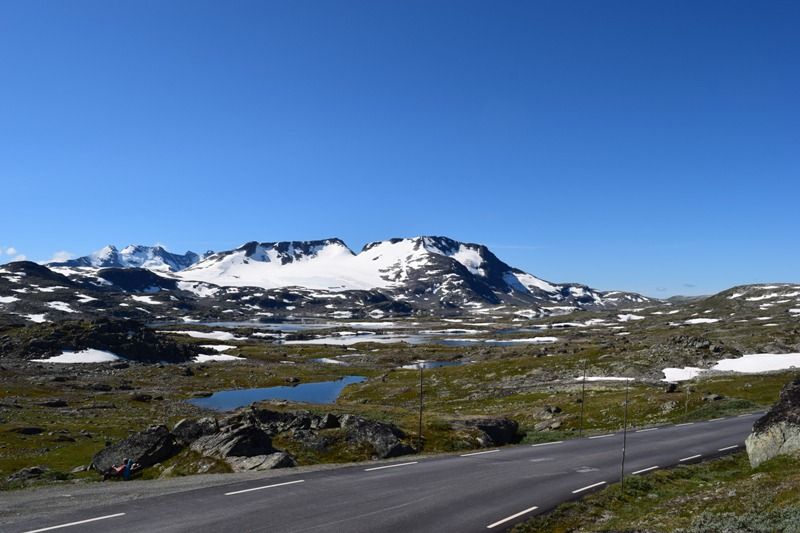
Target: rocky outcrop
<point>126,338</point>
<point>31,472</point>
<point>497,431</point>
<point>777,432</point>
<point>189,430</point>
<point>148,447</point>
<point>385,439</point>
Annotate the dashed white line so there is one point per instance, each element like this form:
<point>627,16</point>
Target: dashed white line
<point>602,436</point>
<point>264,487</point>
<point>76,523</point>
<point>643,470</point>
<point>645,430</point>
<point>588,487</point>
<point>512,517</point>
<point>390,466</point>
<point>692,457</point>
<point>478,453</point>
<point>547,443</point>
<point>728,448</point>
<point>717,419</point>
<point>684,424</point>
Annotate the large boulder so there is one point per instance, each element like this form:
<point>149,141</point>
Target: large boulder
<point>777,432</point>
<point>385,439</point>
<point>148,447</point>
<point>499,431</point>
<point>189,430</point>
<point>261,462</point>
<point>246,440</point>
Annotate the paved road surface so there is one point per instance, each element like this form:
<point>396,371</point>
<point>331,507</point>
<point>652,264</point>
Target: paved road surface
<point>485,491</point>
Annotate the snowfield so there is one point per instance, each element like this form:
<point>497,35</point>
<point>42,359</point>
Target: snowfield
<point>215,335</point>
<point>701,321</point>
<point>216,357</point>
<point>84,356</point>
<point>747,364</point>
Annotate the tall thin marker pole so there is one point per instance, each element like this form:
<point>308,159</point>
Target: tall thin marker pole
<point>583,399</point>
<point>624,437</point>
<point>419,430</point>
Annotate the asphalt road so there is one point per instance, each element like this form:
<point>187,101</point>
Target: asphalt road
<point>488,490</point>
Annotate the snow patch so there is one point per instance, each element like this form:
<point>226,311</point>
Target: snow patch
<point>84,356</point>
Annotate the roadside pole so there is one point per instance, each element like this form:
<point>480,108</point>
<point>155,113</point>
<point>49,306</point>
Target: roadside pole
<point>686,402</point>
<point>583,400</point>
<point>624,438</point>
<point>419,429</point>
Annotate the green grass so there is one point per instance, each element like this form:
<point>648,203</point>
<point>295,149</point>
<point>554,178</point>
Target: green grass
<point>694,498</point>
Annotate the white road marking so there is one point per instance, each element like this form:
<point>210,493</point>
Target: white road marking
<point>744,415</point>
<point>643,470</point>
<point>716,419</point>
<point>602,436</point>
<point>646,430</point>
<point>684,424</point>
<point>512,517</point>
<point>264,487</point>
<point>478,453</point>
<point>690,458</point>
<point>588,487</point>
<point>728,448</point>
<point>390,466</point>
<point>547,443</point>
<point>76,523</point>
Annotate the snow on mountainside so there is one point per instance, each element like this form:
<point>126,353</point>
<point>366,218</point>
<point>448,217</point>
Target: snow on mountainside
<point>434,274</point>
<point>324,264</point>
<point>438,270</point>
<point>154,258</point>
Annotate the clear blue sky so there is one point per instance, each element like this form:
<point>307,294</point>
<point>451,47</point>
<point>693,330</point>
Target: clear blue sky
<point>644,145</point>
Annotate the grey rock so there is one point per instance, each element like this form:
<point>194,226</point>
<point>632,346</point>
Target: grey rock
<point>499,431</point>
<point>385,439</point>
<point>261,462</point>
<point>31,472</point>
<point>148,447</point>
<point>243,441</point>
<point>189,430</point>
<point>777,432</point>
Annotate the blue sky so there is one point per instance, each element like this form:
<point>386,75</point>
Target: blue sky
<point>647,145</point>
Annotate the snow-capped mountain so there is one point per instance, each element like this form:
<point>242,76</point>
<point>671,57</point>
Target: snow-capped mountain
<point>419,275</point>
<point>437,270</point>
<point>154,258</point>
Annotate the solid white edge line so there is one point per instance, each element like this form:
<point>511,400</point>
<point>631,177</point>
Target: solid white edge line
<point>588,487</point>
<point>744,415</point>
<point>645,430</point>
<point>692,457</point>
<point>478,453</point>
<point>75,523</point>
<point>602,436</point>
<point>643,470</point>
<point>728,448</point>
<point>512,517</point>
<point>717,419</point>
<point>264,487</point>
<point>547,443</point>
<point>684,424</point>
<point>390,466</point>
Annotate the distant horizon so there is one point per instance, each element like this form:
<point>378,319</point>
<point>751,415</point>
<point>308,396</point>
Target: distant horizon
<point>641,146</point>
<point>356,250</point>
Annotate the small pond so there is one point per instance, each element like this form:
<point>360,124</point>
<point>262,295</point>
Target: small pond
<point>319,392</point>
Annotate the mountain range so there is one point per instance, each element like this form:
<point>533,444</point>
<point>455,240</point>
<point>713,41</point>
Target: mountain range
<point>420,275</point>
